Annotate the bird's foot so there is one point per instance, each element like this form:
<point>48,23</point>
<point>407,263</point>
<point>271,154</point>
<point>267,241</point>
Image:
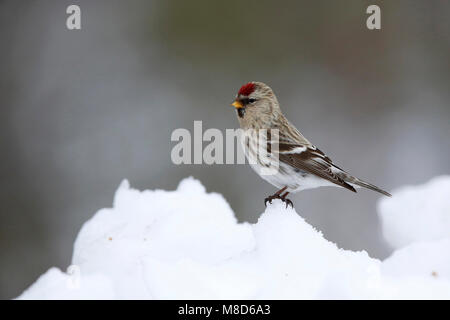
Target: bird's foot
<point>269,199</point>
<point>288,203</point>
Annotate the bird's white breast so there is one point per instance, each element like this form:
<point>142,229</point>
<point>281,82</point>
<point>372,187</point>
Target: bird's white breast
<point>282,175</point>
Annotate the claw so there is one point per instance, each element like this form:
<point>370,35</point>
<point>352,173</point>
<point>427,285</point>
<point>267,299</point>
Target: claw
<point>289,203</point>
<point>286,201</point>
<point>268,199</point>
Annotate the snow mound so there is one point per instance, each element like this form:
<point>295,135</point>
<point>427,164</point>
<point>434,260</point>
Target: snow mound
<point>187,244</point>
<point>417,213</point>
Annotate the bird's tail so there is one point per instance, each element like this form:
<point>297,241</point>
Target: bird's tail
<point>361,183</point>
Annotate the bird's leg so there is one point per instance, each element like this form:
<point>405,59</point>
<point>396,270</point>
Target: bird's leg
<point>287,201</point>
<point>276,195</point>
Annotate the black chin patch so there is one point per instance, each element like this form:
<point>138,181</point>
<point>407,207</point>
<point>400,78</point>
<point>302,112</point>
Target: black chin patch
<point>241,112</point>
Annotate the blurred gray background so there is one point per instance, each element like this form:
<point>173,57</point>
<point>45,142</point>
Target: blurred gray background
<point>82,110</point>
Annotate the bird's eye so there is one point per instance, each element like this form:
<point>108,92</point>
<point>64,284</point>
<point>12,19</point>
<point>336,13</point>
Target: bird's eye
<point>250,100</point>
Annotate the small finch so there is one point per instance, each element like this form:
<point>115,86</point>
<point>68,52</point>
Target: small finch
<point>300,164</point>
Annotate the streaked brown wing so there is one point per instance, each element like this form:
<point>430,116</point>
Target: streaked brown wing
<point>311,160</point>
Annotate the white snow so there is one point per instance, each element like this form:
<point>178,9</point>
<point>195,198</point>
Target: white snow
<point>187,244</point>
<point>417,213</point>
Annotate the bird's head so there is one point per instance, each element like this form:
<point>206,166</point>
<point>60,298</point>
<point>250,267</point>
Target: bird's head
<point>255,98</point>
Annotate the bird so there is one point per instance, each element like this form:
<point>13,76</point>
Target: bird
<point>300,164</point>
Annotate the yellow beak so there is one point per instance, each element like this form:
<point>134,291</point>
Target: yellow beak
<point>237,104</point>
